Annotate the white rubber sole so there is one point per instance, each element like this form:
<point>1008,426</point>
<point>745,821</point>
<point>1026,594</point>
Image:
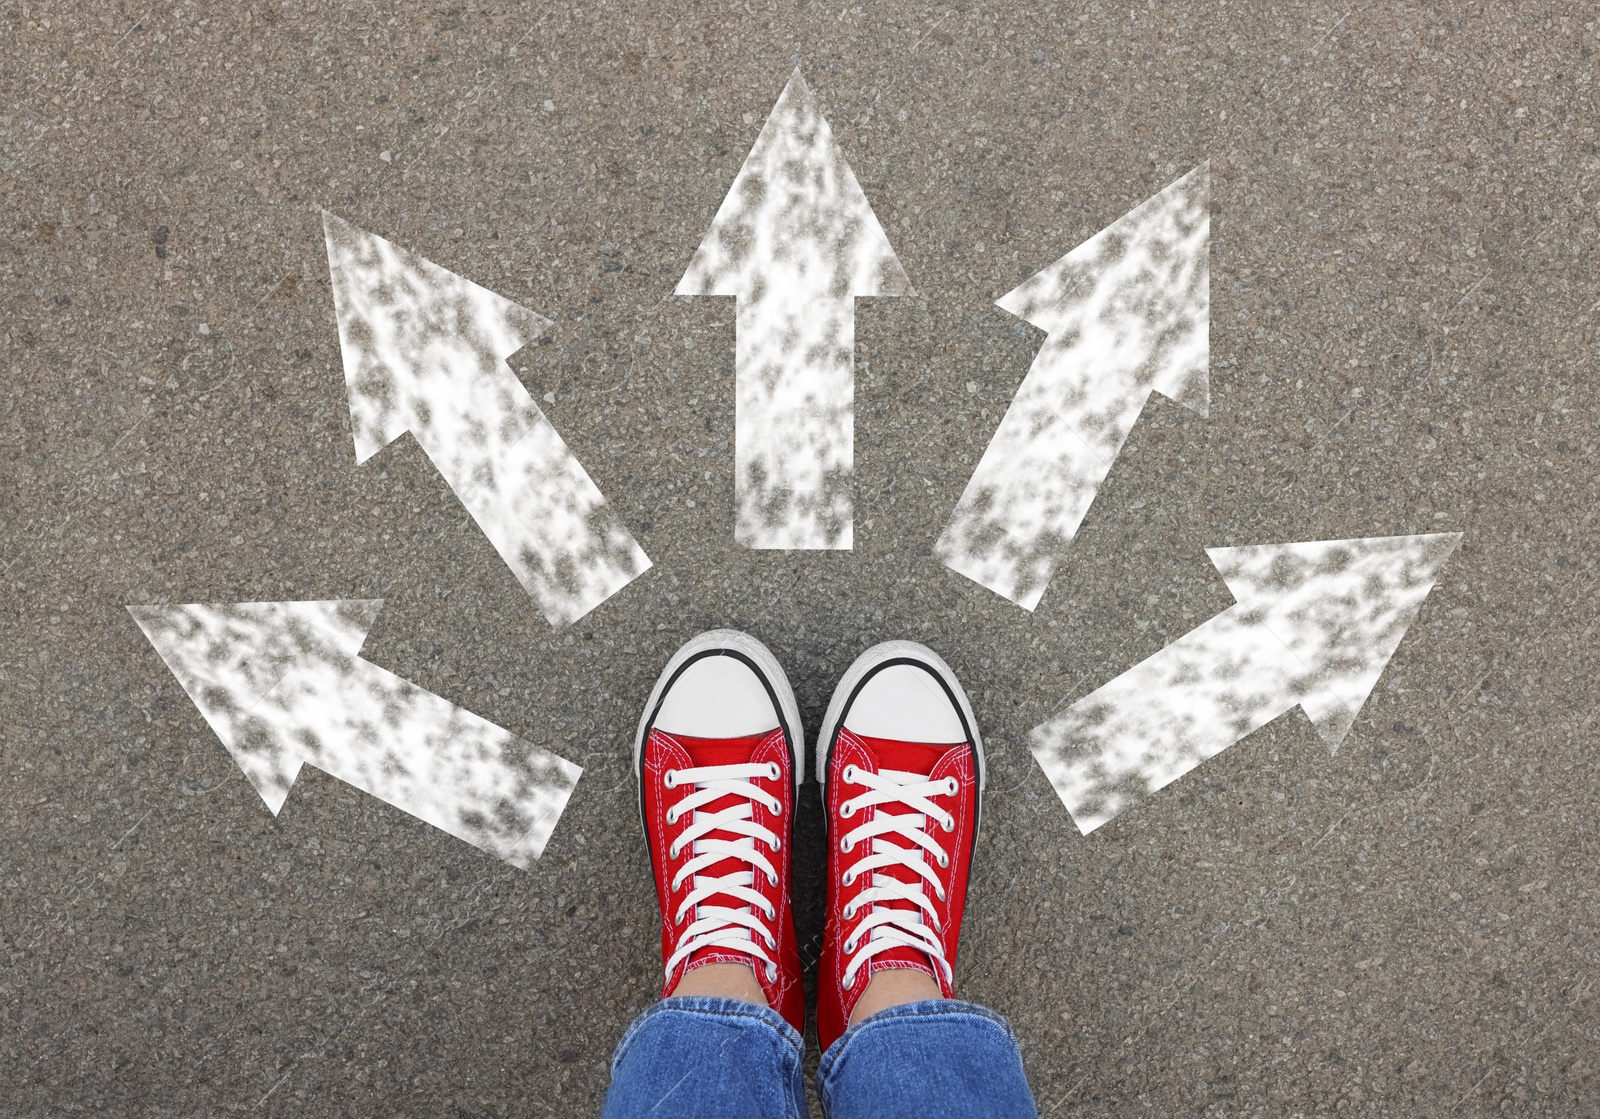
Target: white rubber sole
<point>864,665</point>
<point>741,643</point>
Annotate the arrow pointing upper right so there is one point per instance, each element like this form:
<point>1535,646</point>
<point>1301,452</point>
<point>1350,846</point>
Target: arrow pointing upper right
<point>1314,625</point>
<point>1128,313</point>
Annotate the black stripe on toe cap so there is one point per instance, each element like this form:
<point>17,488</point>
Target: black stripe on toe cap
<point>844,716</point>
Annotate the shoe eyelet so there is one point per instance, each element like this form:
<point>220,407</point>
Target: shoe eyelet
<point>772,879</point>
<point>948,823</point>
<point>849,911</point>
<point>944,860</point>
<point>772,910</point>
<point>849,944</point>
<point>850,773</point>
<point>773,772</point>
<point>939,892</point>
<point>844,846</point>
<point>849,878</point>
<point>950,786</point>
<point>847,810</point>
<point>849,982</point>
<point>777,843</point>
<point>670,779</point>
<point>672,815</point>
<point>772,972</point>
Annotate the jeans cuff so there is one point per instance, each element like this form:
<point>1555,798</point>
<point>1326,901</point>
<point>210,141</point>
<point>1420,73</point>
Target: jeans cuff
<point>928,1008</point>
<point>712,1006</point>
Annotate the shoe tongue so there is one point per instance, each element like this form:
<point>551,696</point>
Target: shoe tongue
<point>919,758</point>
<point>909,757</point>
<point>719,751</point>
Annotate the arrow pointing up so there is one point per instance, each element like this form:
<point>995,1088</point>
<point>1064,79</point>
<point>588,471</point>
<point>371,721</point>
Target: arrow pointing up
<point>1127,313</point>
<point>282,685</point>
<point>796,242</point>
<point>1314,626</point>
<point>424,351</point>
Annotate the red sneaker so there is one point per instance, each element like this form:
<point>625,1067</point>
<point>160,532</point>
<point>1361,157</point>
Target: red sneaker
<point>901,767</point>
<point>718,760</point>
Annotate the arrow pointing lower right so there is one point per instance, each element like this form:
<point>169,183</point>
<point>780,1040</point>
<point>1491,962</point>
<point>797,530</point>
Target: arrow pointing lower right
<point>1314,626</point>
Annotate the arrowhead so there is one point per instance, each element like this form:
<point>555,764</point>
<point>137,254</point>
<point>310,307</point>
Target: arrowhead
<point>1341,606</point>
<point>1137,295</point>
<point>795,218</point>
<point>412,334</point>
<point>228,656</point>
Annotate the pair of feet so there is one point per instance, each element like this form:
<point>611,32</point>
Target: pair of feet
<point>719,758</point>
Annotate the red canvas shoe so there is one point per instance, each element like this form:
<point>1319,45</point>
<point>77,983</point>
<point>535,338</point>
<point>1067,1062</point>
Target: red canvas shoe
<point>901,767</point>
<point>718,760</point>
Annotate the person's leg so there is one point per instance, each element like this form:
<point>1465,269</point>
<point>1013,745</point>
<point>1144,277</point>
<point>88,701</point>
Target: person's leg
<point>700,1055</point>
<point>900,760</point>
<point>925,1060</point>
<point>718,758</point>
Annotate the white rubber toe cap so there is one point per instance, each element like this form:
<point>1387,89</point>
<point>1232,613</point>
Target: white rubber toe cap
<point>905,703</point>
<point>717,697</point>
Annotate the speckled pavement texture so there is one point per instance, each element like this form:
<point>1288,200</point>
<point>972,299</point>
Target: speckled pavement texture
<point>1405,316</point>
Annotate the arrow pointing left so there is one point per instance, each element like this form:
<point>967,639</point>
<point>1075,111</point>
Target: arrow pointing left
<point>282,684</point>
<point>1314,626</point>
<point>424,351</point>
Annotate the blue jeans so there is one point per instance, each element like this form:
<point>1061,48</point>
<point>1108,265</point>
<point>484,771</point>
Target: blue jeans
<point>698,1056</point>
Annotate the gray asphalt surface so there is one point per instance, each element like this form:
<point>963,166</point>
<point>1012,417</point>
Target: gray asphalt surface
<point>1405,317</point>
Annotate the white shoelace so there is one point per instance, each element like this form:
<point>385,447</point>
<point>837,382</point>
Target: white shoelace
<point>736,928</point>
<point>885,926</point>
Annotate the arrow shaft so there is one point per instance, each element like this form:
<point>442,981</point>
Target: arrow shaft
<point>424,755</point>
<point>529,494</point>
<point>1037,478</point>
<point>794,421</point>
<point>1166,715</point>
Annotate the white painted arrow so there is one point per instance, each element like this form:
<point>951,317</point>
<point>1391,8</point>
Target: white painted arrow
<point>424,351</point>
<point>1314,626</point>
<point>282,684</point>
<point>1127,313</point>
<point>796,242</point>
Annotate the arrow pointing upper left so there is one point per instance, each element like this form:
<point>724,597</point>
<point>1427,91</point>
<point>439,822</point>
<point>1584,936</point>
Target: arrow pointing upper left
<point>796,242</point>
<point>282,684</point>
<point>1314,626</point>
<point>424,351</point>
